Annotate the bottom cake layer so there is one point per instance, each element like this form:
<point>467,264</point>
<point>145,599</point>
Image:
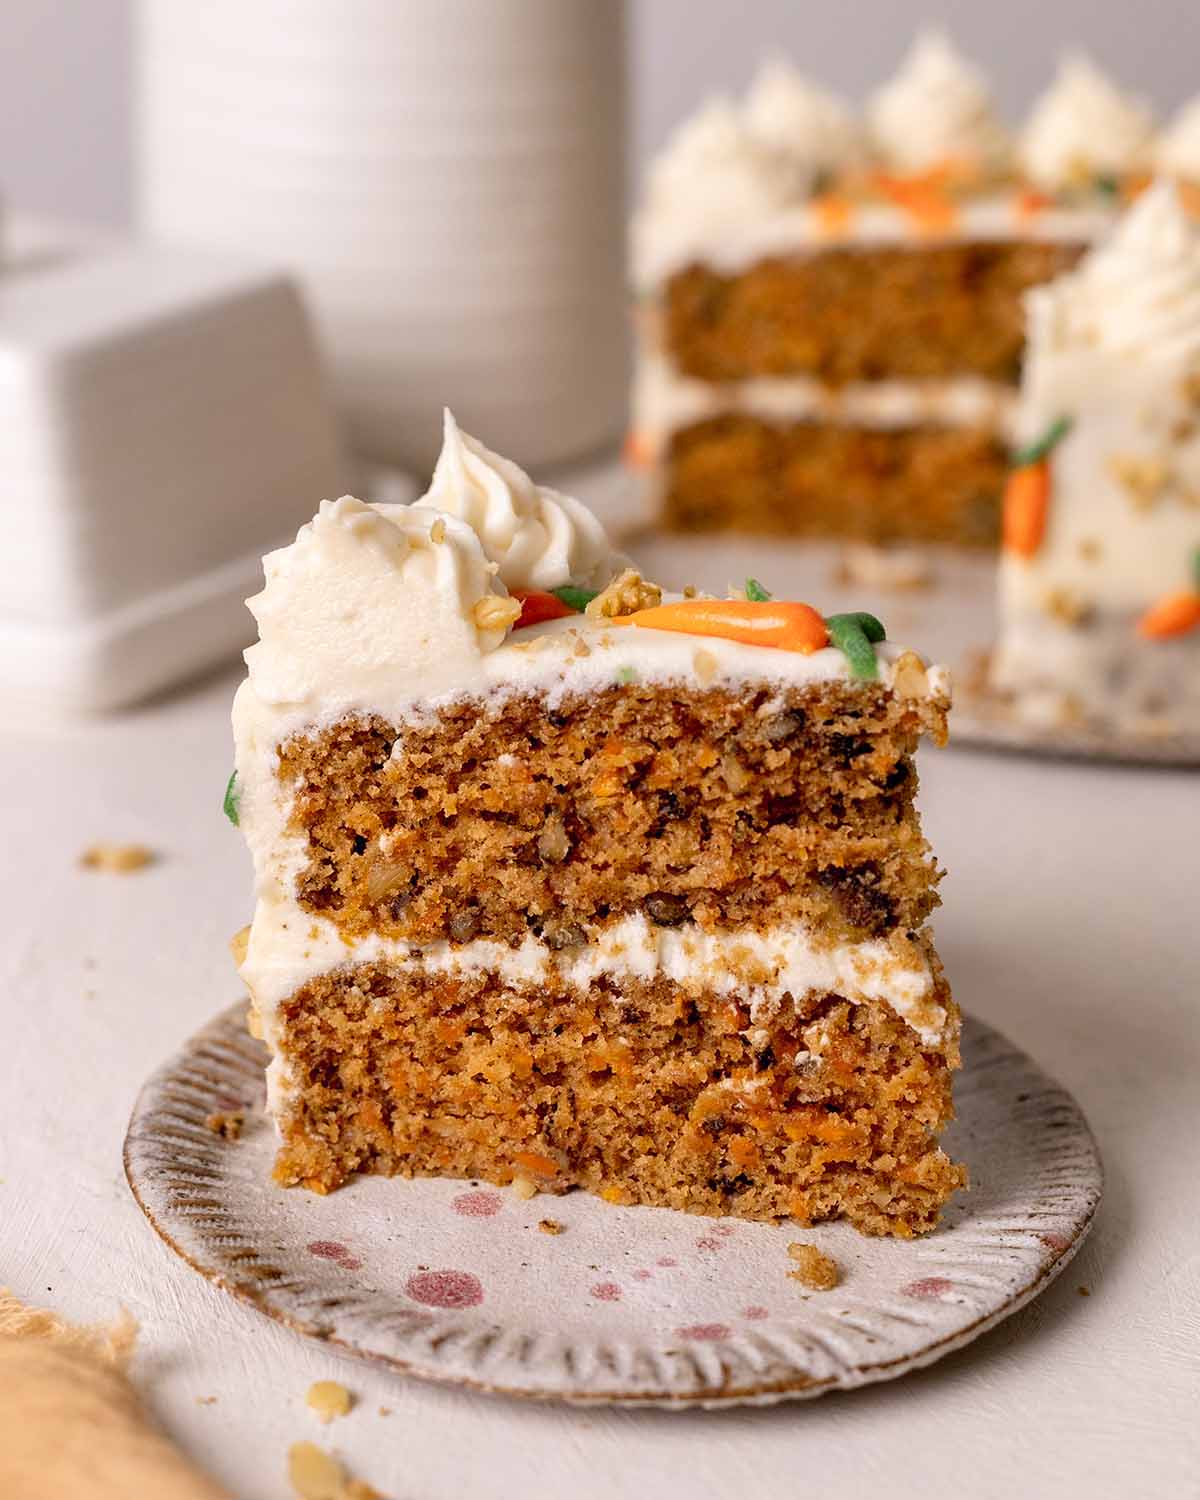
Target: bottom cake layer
<point>641,1092</point>
<point>926,483</point>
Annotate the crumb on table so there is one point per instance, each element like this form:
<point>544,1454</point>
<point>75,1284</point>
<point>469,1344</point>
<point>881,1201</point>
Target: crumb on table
<point>814,1269</point>
<point>118,859</point>
<point>550,1226</point>
<point>227,1123</point>
<point>317,1475</point>
<point>329,1399</point>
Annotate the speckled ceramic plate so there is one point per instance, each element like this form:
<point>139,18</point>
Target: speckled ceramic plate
<point>457,1282</point>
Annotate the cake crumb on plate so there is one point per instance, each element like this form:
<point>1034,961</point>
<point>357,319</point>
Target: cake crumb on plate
<point>329,1399</point>
<point>550,1226</point>
<point>814,1269</point>
<point>226,1123</point>
<point>117,859</point>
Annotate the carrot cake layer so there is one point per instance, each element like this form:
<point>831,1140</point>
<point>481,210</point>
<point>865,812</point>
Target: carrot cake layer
<point>513,810</point>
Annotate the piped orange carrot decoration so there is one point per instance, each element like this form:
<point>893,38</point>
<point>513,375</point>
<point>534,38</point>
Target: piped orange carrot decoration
<point>775,622</point>
<point>636,452</point>
<point>1175,614</point>
<point>537,607</point>
<point>923,196</point>
<point>1027,493</point>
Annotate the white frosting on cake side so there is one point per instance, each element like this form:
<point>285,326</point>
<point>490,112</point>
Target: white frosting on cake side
<point>809,128</point>
<point>538,538</point>
<point>937,111</point>
<point>1177,152</point>
<point>1084,127</point>
<point>1114,347</point>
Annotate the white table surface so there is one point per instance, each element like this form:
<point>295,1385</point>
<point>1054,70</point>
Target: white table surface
<point>1070,922</point>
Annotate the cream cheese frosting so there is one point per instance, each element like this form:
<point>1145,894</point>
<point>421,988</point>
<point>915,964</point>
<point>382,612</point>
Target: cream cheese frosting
<point>1136,294</point>
<point>1083,127</point>
<point>537,538</point>
<point>936,111</point>
<point>1178,150</point>
<point>808,127</point>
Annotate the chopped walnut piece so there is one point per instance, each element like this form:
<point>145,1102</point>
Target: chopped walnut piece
<point>238,944</point>
<point>1091,549</point>
<point>814,1269</point>
<point>550,1226</point>
<point>227,1123</point>
<point>329,1399</point>
<point>705,664</point>
<point>1065,606</point>
<point>910,679</point>
<point>553,842</point>
<point>495,612</point>
<point>117,859</point>
<point>734,773</point>
<point>437,532</point>
<point>1143,479</point>
<point>625,595</point>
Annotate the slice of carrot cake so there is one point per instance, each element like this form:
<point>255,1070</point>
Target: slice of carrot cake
<point>564,880</point>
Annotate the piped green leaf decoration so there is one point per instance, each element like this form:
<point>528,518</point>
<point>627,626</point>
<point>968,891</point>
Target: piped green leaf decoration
<point>573,598</point>
<point>233,795</point>
<point>1042,448</point>
<point>626,675</point>
<point>755,592</point>
<point>1196,569</point>
<point>853,635</point>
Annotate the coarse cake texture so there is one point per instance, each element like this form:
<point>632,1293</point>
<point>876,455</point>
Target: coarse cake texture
<point>642,1092</point>
<point>1100,576</point>
<point>928,483</point>
<point>535,883</point>
<point>785,239</point>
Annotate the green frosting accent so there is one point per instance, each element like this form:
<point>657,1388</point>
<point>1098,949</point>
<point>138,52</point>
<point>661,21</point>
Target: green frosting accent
<point>1196,568</point>
<point>755,591</point>
<point>626,675</point>
<point>849,634</point>
<point>573,598</point>
<point>1045,445</point>
<point>1105,183</point>
<point>232,797</point>
<point>868,624</point>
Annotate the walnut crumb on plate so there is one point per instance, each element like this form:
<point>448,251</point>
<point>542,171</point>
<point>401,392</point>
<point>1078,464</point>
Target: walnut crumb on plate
<point>226,1123</point>
<point>550,1226</point>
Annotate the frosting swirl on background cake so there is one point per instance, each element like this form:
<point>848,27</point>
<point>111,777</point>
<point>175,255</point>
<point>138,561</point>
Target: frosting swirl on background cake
<point>1084,127</point>
<point>1136,294</point>
<point>1178,150</point>
<point>937,110</point>
<point>538,538</point>
<point>808,127</point>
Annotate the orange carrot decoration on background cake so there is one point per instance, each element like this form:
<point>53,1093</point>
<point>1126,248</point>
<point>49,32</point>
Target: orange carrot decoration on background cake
<point>1027,492</point>
<point>1175,614</point>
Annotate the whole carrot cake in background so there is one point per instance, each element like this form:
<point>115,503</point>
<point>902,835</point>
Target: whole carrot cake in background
<point>829,319</point>
<point>1100,575</point>
<point>567,882</point>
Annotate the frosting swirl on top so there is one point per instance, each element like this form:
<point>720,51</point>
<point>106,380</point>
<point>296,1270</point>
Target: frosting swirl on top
<point>714,170</point>
<point>1137,294</point>
<point>809,128</point>
<point>1178,149</point>
<point>537,538</point>
<point>1084,127</point>
<point>936,111</point>
<point>367,597</point>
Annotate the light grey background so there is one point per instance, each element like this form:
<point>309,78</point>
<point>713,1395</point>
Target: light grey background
<point>65,69</point>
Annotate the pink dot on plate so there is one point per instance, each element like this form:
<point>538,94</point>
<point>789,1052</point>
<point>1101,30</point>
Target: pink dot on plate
<point>704,1333</point>
<point>668,1260</point>
<point>928,1288</point>
<point>755,1313</point>
<point>477,1205</point>
<point>724,1230</point>
<point>642,1275</point>
<point>707,1243</point>
<point>452,1289</point>
<point>328,1249</point>
<point>606,1291</point>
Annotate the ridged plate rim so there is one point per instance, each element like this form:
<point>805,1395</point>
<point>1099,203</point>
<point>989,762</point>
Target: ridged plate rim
<point>213,1203</point>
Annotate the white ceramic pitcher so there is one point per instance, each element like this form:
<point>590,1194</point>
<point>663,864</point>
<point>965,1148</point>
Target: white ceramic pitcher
<point>446,177</point>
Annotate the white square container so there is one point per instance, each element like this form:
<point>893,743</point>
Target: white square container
<point>164,421</point>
